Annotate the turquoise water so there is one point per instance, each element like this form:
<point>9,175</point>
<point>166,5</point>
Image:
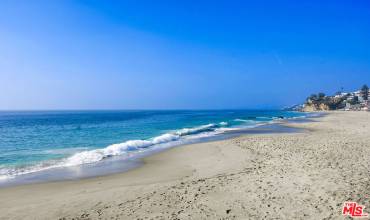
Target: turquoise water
<point>39,140</point>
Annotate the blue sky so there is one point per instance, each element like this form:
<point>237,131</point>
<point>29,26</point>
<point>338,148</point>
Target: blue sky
<point>67,54</point>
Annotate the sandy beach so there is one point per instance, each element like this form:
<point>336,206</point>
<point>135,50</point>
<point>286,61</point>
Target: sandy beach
<point>305,175</point>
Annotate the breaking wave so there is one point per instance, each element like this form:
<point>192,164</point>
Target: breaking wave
<point>134,146</point>
<point>127,147</point>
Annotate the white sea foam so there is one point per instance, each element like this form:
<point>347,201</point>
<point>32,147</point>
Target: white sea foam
<point>243,120</point>
<point>296,117</point>
<point>118,149</point>
<point>8,173</point>
<point>222,130</point>
<point>189,131</point>
<point>131,146</point>
<point>4,177</point>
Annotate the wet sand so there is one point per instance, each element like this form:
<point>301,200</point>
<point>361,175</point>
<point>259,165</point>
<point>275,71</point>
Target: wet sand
<point>305,175</point>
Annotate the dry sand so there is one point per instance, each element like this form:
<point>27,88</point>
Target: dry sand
<point>264,176</point>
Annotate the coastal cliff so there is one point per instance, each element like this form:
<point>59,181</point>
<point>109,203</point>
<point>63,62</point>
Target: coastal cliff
<point>313,107</point>
<point>356,101</point>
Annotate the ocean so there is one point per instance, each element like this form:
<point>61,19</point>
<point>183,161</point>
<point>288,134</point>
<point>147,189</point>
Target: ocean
<point>37,141</point>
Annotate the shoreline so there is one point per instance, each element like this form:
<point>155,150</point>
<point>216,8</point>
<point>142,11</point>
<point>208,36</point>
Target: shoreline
<point>285,175</point>
<point>120,164</point>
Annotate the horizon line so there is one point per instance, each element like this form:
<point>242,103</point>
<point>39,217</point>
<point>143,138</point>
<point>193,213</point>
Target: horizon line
<point>142,109</point>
